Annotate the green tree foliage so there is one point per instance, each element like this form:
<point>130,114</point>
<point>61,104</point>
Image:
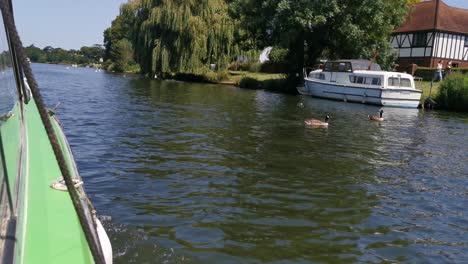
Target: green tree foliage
<point>93,53</point>
<point>255,23</point>
<point>35,54</point>
<point>188,36</point>
<point>5,60</point>
<point>122,55</point>
<point>279,55</point>
<point>49,54</point>
<point>57,55</point>
<point>326,28</point>
<point>175,36</point>
<point>278,61</point>
<point>123,27</point>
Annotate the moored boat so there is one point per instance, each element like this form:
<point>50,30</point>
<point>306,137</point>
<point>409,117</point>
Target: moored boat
<point>361,81</point>
<point>45,215</point>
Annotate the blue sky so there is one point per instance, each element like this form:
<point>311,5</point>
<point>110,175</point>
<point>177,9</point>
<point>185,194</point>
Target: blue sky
<point>72,24</point>
<point>64,23</point>
<point>457,3</point>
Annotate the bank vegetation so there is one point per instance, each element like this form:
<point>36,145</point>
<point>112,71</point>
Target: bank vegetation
<point>211,37</point>
<point>85,56</point>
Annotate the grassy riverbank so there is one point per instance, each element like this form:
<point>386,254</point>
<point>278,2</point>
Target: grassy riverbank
<point>243,79</point>
<point>425,86</point>
<point>235,77</point>
<point>282,84</point>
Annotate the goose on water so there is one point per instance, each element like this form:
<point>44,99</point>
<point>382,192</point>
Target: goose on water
<point>315,122</point>
<point>377,118</point>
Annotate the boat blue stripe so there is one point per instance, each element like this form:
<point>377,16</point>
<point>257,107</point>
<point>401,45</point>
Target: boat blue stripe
<point>368,88</point>
<point>384,98</point>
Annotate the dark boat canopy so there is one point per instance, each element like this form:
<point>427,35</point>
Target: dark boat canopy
<point>351,65</point>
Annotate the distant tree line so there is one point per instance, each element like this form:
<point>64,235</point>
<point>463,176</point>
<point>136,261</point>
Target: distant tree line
<point>195,36</point>
<point>83,56</point>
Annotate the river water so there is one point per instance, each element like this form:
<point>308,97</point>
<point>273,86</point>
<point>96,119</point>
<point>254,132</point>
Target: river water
<point>197,173</point>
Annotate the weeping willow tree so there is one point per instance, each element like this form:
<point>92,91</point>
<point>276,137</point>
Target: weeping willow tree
<point>183,36</point>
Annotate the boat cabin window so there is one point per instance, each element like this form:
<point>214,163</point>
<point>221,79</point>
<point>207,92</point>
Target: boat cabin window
<point>338,66</point>
<point>344,67</point>
<point>365,80</point>
<point>405,83</point>
<point>376,81</point>
<point>399,82</point>
<point>319,76</point>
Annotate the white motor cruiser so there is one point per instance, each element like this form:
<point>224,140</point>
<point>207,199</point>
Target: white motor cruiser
<point>361,81</point>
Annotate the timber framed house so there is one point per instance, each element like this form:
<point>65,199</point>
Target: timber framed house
<point>434,31</point>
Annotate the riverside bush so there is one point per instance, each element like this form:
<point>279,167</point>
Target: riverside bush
<point>279,55</point>
<point>453,93</point>
<point>255,67</point>
<point>208,77</point>
<point>278,61</point>
<point>216,77</point>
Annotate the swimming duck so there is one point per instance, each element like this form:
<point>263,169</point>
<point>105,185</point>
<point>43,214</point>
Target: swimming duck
<point>377,118</point>
<point>315,122</point>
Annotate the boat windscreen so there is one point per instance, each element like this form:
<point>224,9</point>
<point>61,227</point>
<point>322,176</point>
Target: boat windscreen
<point>351,65</point>
<point>338,66</point>
<point>363,65</point>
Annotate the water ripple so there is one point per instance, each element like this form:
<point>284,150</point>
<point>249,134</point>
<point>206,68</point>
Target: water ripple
<point>209,174</point>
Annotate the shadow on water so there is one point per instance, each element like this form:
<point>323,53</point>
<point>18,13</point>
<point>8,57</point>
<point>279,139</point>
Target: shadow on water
<point>208,173</point>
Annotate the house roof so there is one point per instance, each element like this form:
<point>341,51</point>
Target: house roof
<point>423,17</point>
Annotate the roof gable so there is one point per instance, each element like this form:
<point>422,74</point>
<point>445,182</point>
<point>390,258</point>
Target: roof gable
<point>423,16</point>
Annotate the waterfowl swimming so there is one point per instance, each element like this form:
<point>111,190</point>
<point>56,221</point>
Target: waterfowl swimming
<point>377,118</point>
<point>315,122</point>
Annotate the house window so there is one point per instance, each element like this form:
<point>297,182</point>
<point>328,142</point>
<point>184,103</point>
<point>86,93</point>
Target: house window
<point>419,39</point>
<point>466,41</point>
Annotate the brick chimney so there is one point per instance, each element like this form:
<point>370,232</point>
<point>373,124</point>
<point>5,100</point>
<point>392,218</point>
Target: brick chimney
<point>436,18</point>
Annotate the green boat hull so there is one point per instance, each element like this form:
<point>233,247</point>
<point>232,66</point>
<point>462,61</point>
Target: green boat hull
<point>47,227</point>
<point>41,220</point>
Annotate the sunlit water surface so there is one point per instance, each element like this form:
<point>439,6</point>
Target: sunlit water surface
<point>196,173</point>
